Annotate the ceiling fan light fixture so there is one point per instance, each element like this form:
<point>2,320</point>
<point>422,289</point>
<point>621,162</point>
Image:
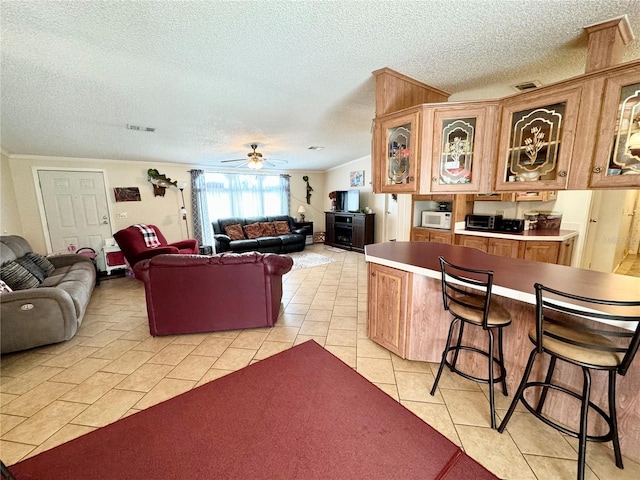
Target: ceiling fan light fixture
<point>254,164</point>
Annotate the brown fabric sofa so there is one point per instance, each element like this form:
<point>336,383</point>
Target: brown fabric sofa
<point>228,291</point>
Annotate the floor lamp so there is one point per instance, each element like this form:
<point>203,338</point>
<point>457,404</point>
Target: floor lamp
<point>183,210</point>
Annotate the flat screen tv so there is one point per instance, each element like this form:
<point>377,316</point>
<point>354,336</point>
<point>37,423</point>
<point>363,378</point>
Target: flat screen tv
<point>347,200</point>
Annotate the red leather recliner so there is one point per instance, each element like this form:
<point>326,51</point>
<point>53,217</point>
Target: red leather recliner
<point>134,248</point>
<point>227,291</point>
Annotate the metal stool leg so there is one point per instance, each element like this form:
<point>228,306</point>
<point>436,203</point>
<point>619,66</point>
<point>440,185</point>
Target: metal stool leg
<point>613,417</point>
<point>458,343</point>
<point>547,381</point>
<point>444,356</point>
<point>492,400</point>
<point>584,410</point>
<point>503,370</point>
<point>518,395</point>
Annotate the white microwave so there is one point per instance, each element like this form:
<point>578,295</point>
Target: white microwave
<point>436,220</point>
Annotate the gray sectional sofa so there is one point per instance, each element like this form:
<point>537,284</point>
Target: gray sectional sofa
<point>48,310</point>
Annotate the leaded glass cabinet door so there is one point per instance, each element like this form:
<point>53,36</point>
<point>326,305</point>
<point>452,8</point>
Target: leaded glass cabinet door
<point>463,148</point>
<point>397,155</point>
<point>536,140</point>
<point>617,158</point>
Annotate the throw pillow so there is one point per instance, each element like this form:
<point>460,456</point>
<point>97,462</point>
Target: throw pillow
<point>33,268</point>
<point>4,288</point>
<point>282,227</point>
<point>17,277</point>
<point>253,230</point>
<point>268,229</point>
<point>43,262</point>
<point>234,232</point>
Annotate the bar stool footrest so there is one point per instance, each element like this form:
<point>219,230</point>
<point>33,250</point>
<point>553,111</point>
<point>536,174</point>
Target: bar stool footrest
<point>552,423</point>
<point>468,376</point>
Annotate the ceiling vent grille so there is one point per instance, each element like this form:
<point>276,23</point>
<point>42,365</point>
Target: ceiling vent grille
<point>523,87</point>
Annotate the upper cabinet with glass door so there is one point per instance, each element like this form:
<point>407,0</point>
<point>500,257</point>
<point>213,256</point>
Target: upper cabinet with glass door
<point>537,133</point>
<point>459,149</point>
<point>396,152</point>
<point>617,156</point>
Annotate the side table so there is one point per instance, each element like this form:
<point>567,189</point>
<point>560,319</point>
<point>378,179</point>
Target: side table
<point>113,259</point>
<point>308,228</point>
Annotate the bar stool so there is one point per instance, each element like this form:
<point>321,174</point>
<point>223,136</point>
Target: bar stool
<point>566,329</point>
<point>466,294</point>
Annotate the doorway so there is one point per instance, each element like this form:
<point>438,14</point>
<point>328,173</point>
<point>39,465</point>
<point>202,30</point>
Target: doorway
<point>390,218</point>
<point>74,209</point>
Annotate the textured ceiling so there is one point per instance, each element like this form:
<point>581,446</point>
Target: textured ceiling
<point>213,77</point>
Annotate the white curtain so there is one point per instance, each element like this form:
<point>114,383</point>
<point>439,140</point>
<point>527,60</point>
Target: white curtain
<point>236,195</point>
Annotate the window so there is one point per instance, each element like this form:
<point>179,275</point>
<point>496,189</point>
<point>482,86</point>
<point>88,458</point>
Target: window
<point>236,195</point>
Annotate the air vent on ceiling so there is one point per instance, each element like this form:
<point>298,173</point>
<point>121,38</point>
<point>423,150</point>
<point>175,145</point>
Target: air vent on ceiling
<point>141,129</point>
<point>522,87</point>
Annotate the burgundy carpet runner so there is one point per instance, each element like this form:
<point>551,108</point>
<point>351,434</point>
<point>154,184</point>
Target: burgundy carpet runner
<point>300,414</point>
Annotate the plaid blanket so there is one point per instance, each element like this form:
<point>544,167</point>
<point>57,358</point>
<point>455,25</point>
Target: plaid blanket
<point>149,235</point>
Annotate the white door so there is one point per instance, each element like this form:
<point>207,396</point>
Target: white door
<point>76,209</point>
<point>390,219</point>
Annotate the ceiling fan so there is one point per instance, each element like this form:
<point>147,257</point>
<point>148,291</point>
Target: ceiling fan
<point>255,161</point>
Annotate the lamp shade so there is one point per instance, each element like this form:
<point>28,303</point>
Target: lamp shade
<point>301,209</point>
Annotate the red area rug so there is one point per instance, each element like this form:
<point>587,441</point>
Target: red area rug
<point>300,414</point>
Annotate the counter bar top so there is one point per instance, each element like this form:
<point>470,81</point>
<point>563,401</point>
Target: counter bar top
<point>527,235</point>
<point>513,277</point>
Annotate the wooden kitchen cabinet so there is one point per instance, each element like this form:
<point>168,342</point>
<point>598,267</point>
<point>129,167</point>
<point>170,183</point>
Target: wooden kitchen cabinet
<point>537,133</point>
<point>505,248</point>
<point>389,298</point>
<point>566,252</point>
<point>458,147</point>
<point>541,251</point>
<point>396,152</point>
<point>419,234</point>
<point>616,160</point>
<point>558,252</point>
<point>481,243</point>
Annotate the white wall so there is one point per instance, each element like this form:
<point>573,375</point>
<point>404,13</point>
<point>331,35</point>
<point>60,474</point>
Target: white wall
<point>10,223</point>
<point>21,214</point>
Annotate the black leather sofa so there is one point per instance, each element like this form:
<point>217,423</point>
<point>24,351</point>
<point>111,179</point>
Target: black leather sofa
<point>284,243</point>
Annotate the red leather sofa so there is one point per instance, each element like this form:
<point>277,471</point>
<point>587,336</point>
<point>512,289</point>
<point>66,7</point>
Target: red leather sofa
<point>227,291</point>
<point>134,248</point>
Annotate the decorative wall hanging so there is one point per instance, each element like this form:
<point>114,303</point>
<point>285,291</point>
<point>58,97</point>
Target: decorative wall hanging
<point>357,178</point>
<point>309,189</point>
<point>160,182</point>
<point>127,194</point>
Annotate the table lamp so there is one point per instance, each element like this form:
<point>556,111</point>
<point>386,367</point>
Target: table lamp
<point>302,211</point>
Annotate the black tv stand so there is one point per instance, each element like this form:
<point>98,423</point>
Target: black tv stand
<point>349,230</point>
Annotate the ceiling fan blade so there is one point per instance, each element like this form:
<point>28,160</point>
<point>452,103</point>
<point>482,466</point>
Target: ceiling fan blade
<point>234,160</point>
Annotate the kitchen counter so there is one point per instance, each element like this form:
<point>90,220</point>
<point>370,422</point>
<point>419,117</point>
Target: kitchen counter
<point>405,315</point>
<point>527,235</point>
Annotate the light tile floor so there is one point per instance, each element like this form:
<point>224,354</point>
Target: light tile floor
<point>113,368</point>
<point>629,266</point>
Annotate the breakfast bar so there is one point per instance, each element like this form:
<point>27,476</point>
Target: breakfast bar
<point>405,315</point>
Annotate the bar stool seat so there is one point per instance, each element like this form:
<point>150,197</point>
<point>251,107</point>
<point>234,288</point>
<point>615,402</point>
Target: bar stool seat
<point>592,334</point>
<point>498,315</point>
<point>466,294</point>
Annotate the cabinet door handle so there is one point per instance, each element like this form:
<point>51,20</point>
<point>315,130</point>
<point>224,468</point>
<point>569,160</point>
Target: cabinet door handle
<point>597,169</point>
<point>411,179</point>
<point>562,173</point>
<point>373,274</point>
<point>434,179</point>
